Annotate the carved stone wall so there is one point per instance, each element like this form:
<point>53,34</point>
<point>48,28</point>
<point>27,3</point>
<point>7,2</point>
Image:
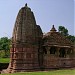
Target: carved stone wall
<point>32,51</point>
<point>26,42</point>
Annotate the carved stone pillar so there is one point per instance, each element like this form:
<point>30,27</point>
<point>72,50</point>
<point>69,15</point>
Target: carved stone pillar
<point>72,53</point>
<point>48,50</point>
<point>66,54</point>
<point>58,48</point>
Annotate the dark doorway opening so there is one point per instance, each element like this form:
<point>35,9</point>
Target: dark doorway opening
<point>52,50</point>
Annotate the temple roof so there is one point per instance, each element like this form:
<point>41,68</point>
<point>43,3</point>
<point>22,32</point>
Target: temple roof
<point>56,39</point>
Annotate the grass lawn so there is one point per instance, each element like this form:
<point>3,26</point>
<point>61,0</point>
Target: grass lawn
<point>4,60</point>
<point>56,72</point>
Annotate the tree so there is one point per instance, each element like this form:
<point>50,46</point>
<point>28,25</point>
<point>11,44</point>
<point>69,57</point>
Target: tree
<point>72,38</point>
<point>63,30</point>
<point>5,44</point>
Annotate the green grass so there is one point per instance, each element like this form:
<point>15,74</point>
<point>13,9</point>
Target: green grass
<point>4,60</point>
<point>56,72</point>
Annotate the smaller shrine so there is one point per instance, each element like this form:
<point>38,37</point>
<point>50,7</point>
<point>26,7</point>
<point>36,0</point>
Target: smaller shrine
<point>58,50</point>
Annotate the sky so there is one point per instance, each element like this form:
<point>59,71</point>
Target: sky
<point>46,12</point>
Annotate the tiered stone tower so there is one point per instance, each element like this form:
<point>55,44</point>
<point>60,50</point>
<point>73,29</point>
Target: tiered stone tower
<point>26,40</point>
<point>32,51</point>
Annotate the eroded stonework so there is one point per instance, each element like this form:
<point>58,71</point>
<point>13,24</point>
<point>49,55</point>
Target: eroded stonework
<point>33,51</point>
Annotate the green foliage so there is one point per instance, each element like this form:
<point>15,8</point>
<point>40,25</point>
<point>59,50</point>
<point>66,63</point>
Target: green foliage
<point>56,72</point>
<point>64,31</point>
<point>5,45</point>
<point>72,38</point>
<point>2,53</point>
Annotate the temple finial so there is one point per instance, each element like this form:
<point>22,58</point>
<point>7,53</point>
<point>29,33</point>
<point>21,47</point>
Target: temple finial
<point>53,29</point>
<point>26,5</point>
<point>53,26</point>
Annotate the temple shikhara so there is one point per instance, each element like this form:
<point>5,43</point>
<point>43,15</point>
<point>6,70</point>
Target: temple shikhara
<point>33,51</point>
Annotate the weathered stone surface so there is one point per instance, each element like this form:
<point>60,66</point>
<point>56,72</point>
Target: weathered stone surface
<point>58,51</point>
<point>25,42</point>
<point>32,51</point>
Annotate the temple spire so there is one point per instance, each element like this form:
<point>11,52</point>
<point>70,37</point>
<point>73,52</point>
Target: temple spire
<point>53,29</point>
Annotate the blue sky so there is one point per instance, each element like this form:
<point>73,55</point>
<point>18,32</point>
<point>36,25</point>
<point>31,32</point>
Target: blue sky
<point>47,13</point>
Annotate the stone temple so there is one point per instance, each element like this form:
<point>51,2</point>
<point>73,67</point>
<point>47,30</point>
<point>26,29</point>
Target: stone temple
<point>33,51</point>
